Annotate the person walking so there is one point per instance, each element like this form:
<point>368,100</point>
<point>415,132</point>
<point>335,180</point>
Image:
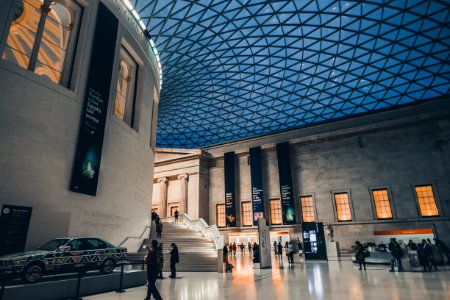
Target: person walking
<point>174,259</point>
<point>151,261</point>
<point>225,257</point>
<point>159,228</point>
<point>359,254</point>
<point>300,247</point>
<point>242,248</point>
<point>275,247</point>
<point>422,254</point>
<point>280,250</point>
<point>290,250</point>
<point>233,247</point>
<point>396,254</point>
<point>176,213</point>
<point>431,258</point>
<point>249,248</point>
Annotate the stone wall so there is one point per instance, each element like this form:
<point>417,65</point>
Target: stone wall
<point>397,150</point>
<point>39,124</point>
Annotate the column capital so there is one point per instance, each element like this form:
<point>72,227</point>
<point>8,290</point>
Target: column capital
<point>183,176</point>
<point>162,180</point>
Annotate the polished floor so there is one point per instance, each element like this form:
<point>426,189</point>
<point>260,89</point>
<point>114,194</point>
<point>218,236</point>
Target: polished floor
<point>303,280</point>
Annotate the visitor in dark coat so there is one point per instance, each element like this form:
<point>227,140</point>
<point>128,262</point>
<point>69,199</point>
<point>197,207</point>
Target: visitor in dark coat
<point>174,259</point>
<point>151,260</point>
<point>359,253</point>
<point>422,253</point>
<point>444,249</point>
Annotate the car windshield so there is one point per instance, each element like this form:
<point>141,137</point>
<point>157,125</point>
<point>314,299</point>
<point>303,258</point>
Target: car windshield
<point>53,244</point>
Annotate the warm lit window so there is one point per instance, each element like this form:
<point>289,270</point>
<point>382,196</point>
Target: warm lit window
<point>220,215</point>
<point>247,219</point>
<point>44,49</point>
<point>275,212</point>
<point>343,207</point>
<point>427,203</point>
<point>307,203</point>
<point>382,204</point>
<point>124,104</point>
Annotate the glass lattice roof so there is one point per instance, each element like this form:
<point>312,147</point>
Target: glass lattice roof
<point>237,69</point>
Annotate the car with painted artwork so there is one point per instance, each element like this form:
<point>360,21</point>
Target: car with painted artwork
<point>63,255</point>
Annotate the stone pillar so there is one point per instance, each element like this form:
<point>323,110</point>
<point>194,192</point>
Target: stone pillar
<point>163,181</point>
<point>183,178</point>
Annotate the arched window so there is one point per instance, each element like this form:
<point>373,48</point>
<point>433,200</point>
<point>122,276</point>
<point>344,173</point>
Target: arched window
<point>42,37</point>
<point>124,103</point>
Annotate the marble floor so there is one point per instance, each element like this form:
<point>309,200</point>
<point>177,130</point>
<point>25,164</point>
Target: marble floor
<point>303,280</point>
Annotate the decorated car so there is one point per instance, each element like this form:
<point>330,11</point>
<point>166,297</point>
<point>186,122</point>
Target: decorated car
<point>63,255</point>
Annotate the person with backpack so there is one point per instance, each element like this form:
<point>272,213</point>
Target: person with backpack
<point>151,262</point>
<point>174,259</point>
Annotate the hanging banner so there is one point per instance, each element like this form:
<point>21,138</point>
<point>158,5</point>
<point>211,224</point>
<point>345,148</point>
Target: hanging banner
<point>88,153</point>
<point>230,205</point>
<point>284,171</point>
<point>257,184</point>
<point>14,223</point>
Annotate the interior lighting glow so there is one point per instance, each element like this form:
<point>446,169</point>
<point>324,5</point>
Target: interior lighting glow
<point>128,4</point>
<point>135,14</point>
<point>152,44</point>
<point>141,23</point>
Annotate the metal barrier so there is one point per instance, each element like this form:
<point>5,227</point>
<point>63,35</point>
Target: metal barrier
<point>81,272</point>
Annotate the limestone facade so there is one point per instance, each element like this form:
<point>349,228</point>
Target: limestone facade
<point>39,125</point>
<point>394,150</point>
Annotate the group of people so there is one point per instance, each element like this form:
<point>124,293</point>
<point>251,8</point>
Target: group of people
<point>229,249</point>
<point>397,250</point>
<point>155,261</point>
<point>289,249</point>
<point>232,247</point>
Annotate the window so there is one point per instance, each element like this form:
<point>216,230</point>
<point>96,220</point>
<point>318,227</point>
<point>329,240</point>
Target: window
<point>427,203</point>
<point>343,211</point>
<point>42,37</point>
<point>382,204</point>
<point>307,203</point>
<point>220,215</point>
<point>247,219</point>
<point>275,212</point>
<point>124,104</point>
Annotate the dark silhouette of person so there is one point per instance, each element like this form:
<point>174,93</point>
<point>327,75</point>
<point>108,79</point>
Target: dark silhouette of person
<point>174,259</point>
<point>444,249</point>
<point>176,213</point>
<point>359,253</point>
<point>151,260</point>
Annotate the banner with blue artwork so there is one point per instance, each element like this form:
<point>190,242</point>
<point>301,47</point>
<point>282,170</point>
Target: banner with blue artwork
<point>286,191</point>
<point>88,153</point>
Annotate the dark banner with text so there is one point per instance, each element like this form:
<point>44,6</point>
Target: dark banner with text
<point>257,184</point>
<point>14,223</point>
<point>230,203</point>
<point>284,171</point>
<point>88,153</point>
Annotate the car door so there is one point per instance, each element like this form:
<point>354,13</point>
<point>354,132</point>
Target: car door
<point>96,251</point>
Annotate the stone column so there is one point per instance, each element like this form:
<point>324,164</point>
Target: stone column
<point>183,178</point>
<point>163,181</point>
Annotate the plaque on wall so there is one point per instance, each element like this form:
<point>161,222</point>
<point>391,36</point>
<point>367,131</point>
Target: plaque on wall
<point>14,223</point>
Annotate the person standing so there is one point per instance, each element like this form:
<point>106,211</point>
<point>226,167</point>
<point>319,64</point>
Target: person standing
<point>290,250</point>
<point>160,256</point>
<point>176,213</point>
<point>159,228</point>
<point>151,261</point>
<point>275,248</point>
<point>249,248</point>
<point>225,257</point>
<point>396,254</point>
<point>234,248</point>
<point>174,259</point>
<point>242,248</point>
<point>280,250</point>
<point>431,257</point>
<point>422,254</point>
<point>359,253</point>
<point>444,249</point>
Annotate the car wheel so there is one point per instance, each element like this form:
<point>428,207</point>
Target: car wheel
<point>32,273</point>
<point>107,266</point>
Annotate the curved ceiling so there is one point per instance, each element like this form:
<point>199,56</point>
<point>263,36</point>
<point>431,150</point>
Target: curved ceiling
<point>237,69</point>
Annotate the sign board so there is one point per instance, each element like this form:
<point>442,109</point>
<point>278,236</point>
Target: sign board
<point>264,244</point>
<point>314,241</point>
<point>14,222</point>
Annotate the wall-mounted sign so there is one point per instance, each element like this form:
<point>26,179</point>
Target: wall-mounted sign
<point>230,205</point>
<point>314,241</point>
<point>14,223</point>
<point>88,153</point>
<point>284,171</point>
<point>257,184</point>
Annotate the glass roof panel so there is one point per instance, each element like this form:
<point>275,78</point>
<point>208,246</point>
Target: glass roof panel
<point>237,69</point>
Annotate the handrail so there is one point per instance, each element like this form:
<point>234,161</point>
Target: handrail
<point>137,238</point>
<point>209,231</point>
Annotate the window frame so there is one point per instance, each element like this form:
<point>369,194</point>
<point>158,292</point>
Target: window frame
<point>313,196</point>
<point>333,201</point>
<point>391,202</point>
<point>242,214</point>
<point>437,199</point>
<point>69,70</point>
<point>281,211</point>
<point>224,215</point>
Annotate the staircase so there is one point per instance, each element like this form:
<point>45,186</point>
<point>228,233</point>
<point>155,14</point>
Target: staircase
<point>197,253</point>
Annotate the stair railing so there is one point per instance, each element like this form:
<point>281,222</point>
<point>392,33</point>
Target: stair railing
<point>134,237</point>
<point>208,231</point>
